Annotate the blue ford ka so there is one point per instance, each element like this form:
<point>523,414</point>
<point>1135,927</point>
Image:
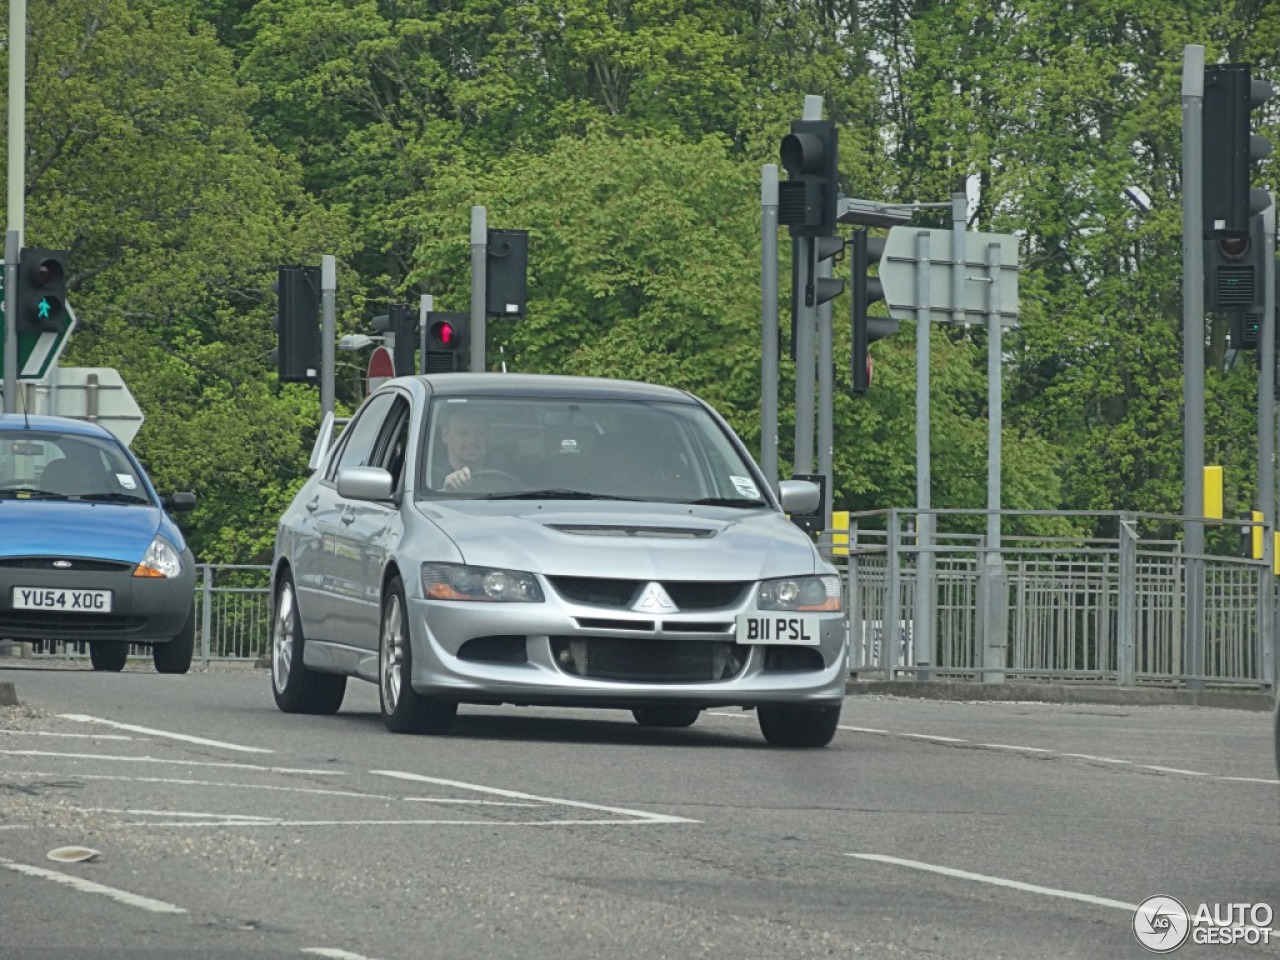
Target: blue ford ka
<point>88,551</point>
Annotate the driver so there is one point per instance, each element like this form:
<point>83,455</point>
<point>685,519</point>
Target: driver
<point>465,433</point>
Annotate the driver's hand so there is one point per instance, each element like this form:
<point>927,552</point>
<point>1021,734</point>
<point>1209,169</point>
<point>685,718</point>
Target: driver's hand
<point>458,478</point>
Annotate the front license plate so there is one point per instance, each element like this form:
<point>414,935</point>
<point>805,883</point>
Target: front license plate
<point>62,600</point>
<point>797,629</point>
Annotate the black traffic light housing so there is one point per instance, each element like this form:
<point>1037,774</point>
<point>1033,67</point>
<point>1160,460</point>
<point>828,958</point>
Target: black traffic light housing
<point>448,342</point>
<point>807,199</point>
<point>1229,147</point>
<point>42,290</point>
<point>297,324</point>
<point>506,272</point>
<point>864,253</point>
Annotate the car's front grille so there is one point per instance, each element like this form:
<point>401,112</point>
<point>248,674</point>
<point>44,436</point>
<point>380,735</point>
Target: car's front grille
<point>77,564</point>
<point>685,594</point>
<point>29,625</point>
<point>625,660</point>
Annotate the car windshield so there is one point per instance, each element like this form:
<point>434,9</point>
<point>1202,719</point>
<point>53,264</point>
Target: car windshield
<point>582,449</point>
<point>47,465</point>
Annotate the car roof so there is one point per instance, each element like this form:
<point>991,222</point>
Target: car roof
<point>547,385</point>
<point>86,428</point>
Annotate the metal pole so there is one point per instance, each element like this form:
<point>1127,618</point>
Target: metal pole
<point>922,633</point>
<point>426,303</point>
<point>994,657</point>
<point>17,183</point>
<point>769,323</point>
<point>826,374</point>
<point>479,255</point>
<point>806,322</point>
<point>1266,436</point>
<point>1193,357</point>
<point>328,329</point>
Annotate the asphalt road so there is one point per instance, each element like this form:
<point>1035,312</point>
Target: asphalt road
<point>225,829</point>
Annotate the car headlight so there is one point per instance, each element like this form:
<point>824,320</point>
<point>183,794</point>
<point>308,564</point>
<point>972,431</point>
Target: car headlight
<point>456,581</point>
<point>161,561</point>
<point>800,593</point>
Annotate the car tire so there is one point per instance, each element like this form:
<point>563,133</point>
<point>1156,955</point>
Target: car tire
<point>666,716</point>
<point>175,656</point>
<point>798,726</point>
<point>296,688</point>
<point>404,710</point>
<point>105,655</point>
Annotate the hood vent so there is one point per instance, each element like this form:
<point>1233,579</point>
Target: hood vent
<point>653,533</point>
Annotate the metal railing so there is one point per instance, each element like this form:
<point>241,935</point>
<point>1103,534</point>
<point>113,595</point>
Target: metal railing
<point>1100,609</point>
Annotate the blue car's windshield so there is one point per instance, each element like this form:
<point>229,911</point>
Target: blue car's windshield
<point>582,449</point>
<point>58,466</point>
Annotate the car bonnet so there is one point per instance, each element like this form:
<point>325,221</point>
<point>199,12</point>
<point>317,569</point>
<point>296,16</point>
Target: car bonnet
<point>73,529</point>
<point>649,540</point>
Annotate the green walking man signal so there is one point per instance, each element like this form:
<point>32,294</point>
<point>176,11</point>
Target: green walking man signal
<point>42,290</point>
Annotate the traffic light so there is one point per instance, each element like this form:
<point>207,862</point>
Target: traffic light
<point>402,323</point>
<point>806,286</point>
<point>448,342</point>
<point>297,324</point>
<point>1233,240</point>
<point>807,199</point>
<point>864,253</point>
<point>505,274</point>
<point>42,290</point>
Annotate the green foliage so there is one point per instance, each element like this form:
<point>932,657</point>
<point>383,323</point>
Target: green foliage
<point>183,149</point>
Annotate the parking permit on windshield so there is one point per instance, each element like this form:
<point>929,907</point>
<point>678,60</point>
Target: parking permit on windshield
<point>795,629</point>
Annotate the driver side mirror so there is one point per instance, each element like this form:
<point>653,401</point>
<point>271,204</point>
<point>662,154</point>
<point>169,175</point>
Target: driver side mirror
<point>179,502</point>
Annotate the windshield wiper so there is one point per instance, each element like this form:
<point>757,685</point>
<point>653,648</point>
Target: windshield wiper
<point>114,497</point>
<point>725,502</point>
<point>556,493</point>
<point>27,493</point>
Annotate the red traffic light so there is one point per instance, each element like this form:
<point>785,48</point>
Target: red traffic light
<point>443,333</point>
<point>1233,245</point>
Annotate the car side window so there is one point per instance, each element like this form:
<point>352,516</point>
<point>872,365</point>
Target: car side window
<point>394,445</point>
<point>360,439</point>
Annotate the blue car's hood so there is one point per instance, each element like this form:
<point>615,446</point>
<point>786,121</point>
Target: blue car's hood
<point>65,528</point>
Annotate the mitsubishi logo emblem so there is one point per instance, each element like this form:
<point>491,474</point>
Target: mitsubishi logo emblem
<point>654,599</point>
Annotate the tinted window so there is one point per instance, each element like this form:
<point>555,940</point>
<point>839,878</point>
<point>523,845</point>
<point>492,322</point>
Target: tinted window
<point>359,442</point>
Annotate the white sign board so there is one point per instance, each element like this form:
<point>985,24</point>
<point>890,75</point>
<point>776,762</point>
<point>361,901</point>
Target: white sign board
<point>989,262</point>
<point>98,394</point>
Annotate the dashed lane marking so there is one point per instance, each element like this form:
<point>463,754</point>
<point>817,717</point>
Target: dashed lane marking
<point>168,734</point>
<point>178,763</point>
<point>997,881</point>
<point>89,886</point>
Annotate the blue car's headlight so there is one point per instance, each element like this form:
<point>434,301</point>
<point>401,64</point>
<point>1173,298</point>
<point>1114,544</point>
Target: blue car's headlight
<point>161,561</point>
<point>800,593</point>
<point>456,581</point>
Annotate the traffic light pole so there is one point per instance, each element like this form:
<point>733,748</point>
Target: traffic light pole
<point>1266,433</point>
<point>328,329</point>
<point>922,635</point>
<point>769,324</point>
<point>1193,358</point>
<point>806,325</point>
<point>479,266</point>
<point>17,41</point>
<point>826,374</point>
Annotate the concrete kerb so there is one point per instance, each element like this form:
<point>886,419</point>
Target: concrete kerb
<point>8,694</point>
<point>1063,693</point>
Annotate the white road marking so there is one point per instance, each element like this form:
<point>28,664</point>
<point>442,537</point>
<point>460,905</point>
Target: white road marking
<point>333,954</point>
<point>641,815</point>
<point>177,763</point>
<point>1041,750</point>
<point>187,782</point>
<point>997,881</point>
<point>407,823</point>
<point>88,886</point>
<point>186,738</point>
<point>73,736</point>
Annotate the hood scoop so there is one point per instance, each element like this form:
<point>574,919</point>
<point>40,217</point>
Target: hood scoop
<point>645,532</point>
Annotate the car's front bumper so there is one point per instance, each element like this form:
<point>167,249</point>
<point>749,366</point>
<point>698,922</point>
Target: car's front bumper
<point>144,609</point>
<point>698,663</point>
